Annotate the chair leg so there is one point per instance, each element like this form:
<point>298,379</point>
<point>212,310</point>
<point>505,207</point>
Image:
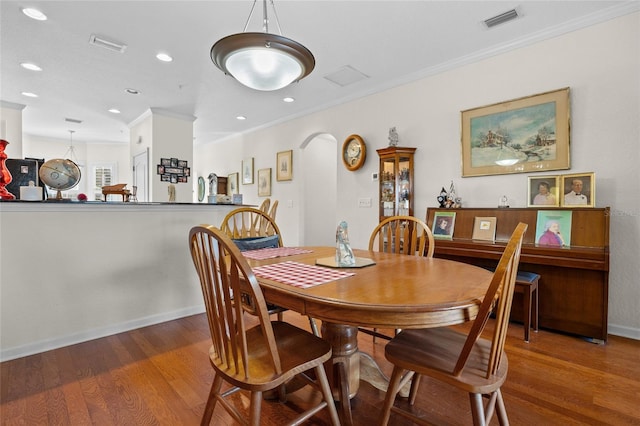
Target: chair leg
<point>392,390</point>
<point>490,407</point>
<point>211,402</point>
<point>502,410</point>
<point>314,327</point>
<point>321,377</point>
<point>526,311</point>
<point>254,410</point>
<point>535,308</point>
<point>280,316</point>
<point>477,409</point>
<point>415,383</point>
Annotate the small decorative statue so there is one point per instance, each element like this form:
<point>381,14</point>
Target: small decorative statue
<point>213,184</point>
<point>442,198</point>
<point>171,189</point>
<point>393,136</point>
<point>344,254</point>
<point>449,200</point>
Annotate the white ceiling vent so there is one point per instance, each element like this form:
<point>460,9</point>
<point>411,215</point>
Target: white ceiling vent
<point>107,44</point>
<point>502,18</point>
<point>345,76</point>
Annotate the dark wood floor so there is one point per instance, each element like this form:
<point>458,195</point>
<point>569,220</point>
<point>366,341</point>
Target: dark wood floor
<point>161,375</point>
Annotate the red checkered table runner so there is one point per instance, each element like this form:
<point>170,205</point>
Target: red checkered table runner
<point>270,253</point>
<point>299,274</point>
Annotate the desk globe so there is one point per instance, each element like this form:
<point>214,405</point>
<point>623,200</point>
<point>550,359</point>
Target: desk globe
<point>60,174</point>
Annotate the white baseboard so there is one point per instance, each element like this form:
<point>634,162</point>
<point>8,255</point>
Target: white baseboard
<point>72,339</point>
<point>622,331</point>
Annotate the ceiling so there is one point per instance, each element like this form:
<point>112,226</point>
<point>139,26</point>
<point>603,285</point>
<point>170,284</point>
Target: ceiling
<point>391,42</point>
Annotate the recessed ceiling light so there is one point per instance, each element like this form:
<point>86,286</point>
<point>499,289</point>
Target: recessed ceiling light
<point>241,117</point>
<point>164,57</point>
<point>114,111</point>
<point>30,66</point>
<point>29,94</point>
<point>132,91</point>
<point>34,14</point>
<point>288,99</point>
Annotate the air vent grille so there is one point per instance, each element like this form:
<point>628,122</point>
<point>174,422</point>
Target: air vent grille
<point>501,19</point>
<point>107,44</point>
<point>73,120</point>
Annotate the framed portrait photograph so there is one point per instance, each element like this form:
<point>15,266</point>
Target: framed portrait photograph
<point>553,228</point>
<point>232,184</point>
<point>443,224</point>
<point>578,190</point>
<point>543,191</point>
<point>247,171</point>
<point>284,161</point>
<point>165,161</point>
<point>529,134</point>
<point>264,182</point>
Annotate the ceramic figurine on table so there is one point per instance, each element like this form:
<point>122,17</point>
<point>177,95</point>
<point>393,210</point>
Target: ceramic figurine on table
<point>344,254</point>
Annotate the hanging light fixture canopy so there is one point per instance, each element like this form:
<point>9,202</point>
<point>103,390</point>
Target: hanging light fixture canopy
<point>261,60</point>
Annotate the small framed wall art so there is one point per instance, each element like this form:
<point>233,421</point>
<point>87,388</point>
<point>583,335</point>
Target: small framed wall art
<point>284,161</point>
<point>264,182</point>
<point>232,184</point>
<point>247,171</point>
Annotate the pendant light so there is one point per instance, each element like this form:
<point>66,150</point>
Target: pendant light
<point>261,60</point>
<point>71,151</point>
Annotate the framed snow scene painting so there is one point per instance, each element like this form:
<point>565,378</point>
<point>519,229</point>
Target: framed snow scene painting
<point>524,135</point>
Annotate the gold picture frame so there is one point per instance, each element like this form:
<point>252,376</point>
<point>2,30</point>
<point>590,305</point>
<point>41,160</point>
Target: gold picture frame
<point>586,190</point>
<point>523,135</point>
<point>264,182</point>
<point>284,165</point>
<point>543,191</point>
<point>247,171</point>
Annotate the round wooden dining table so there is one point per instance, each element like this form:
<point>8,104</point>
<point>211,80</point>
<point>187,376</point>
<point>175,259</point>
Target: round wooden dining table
<point>396,292</point>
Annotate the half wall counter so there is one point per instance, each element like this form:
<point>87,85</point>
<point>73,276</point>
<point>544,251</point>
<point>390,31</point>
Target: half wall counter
<point>72,272</point>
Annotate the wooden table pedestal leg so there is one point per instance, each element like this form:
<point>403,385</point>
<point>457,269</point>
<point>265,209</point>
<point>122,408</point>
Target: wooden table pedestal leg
<point>344,373</point>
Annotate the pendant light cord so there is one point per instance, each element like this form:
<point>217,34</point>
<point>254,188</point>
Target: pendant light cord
<point>265,18</point>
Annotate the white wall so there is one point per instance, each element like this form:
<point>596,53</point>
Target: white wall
<point>127,266</point>
<point>601,65</point>
<point>11,128</point>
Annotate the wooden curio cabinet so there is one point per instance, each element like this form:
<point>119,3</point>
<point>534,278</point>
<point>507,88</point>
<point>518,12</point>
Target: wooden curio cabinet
<point>396,181</point>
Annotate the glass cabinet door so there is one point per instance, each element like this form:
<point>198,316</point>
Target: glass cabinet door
<point>396,181</point>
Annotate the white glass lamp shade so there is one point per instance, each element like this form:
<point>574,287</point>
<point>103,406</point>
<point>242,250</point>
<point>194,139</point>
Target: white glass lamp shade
<point>262,61</point>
